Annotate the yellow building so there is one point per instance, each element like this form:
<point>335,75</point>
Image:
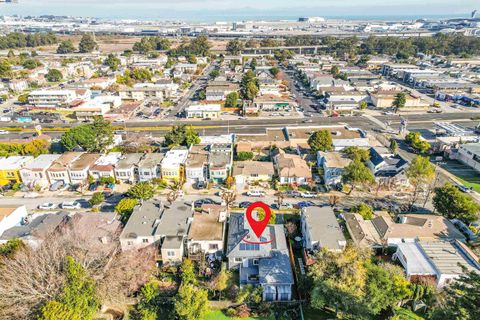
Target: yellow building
<point>10,168</point>
<point>173,164</point>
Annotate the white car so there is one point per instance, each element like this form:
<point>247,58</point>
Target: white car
<point>4,132</point>
<point>256,193</point>
<point>47,206</point>
<point>71,205</point>
<point>308,194</point>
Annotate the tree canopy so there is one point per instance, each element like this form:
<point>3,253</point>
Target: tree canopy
<point>181,135</point>
<point>92,137</point>
<point>142,191</point>
<point>320,141</point>
<point>235,46</point>
<point>54,75</point>
<point>249,86</point>
<point>112,61</point>
<point>356,153</point>
<point>357,173</point>
<point>364,210</point>
<point>399,101</point>
<point>414,140</point>
<point>87,44</point>
<point>66,47</point>
<point>451,203</point>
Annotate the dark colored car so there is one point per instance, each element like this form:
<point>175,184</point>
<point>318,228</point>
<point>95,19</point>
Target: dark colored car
<point>244,204</point>
<point>305,204</point>
<point>201,202</point>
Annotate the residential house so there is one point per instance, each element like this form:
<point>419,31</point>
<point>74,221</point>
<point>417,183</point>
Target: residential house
<point>382,231</point>
<point>320,229</point>
<point>203,111</point>
<point>186,67</point>
<point>35,172</point>
<point>51,98</point>
<point>10,168</point>
<point>196,166</point>
<point>11,216</point>
<point>173,164</point>
<point>389,169</point>
<point>126,170</point>
<point>333,164</point>
<point>79,169</point>
<point>38,230</point>
<point>262,261</point>
<point>58,171</point>
<point>443,261</point>
<point>207,232</point>
<point>142,91</point>
<point>104,167</point>
<point>248,172</point>
<point>220,161</point>
<point>291,169</point>
<point>149,167</point>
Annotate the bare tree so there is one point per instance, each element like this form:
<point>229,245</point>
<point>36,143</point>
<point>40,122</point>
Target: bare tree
<point>229,197</point>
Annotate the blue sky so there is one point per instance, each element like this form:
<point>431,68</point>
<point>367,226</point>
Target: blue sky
<point>165,8</point>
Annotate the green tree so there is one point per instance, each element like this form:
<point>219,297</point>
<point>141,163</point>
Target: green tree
<point>274,71</point>
<point>188,272</point>
<point>356,173</point>
<point>87,44</point>
<point>54,75</point>
<point>244,156</point>
<point>249,86</point>
<point>363,105</point>
<point>364,210</point>
<point>462,300</point>
<point>414,139</point>
<point>394,146</point>
<point>399,101</point>
<point>112,61</point>
<point>454,204</point>
<point>142,74</point>
<point>320,141</point>
<point>8,249</point>
<point>125,207</point>
<point>65,47</point>
<point>181,135</point>
<point>142,191</point>
<point>235,46</point>
<point>78,299</point>
<point>420,173</point>
<point>5,68</point>
<point>191,303</point>
<point>261,216</point>
<point>95,137</point>
<point>97,198</point>
<point>356,153</point>
<point>31,64</point>
<point>335,71</point>
<point>232,100</point>
<point>214,73</point>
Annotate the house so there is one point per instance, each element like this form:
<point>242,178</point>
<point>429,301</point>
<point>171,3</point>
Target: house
<point>442,261</point>
<point>469,154</point>
<point>10,168</point>
<point>51,98</point>
<point>104,167</point>
<point>382,231</point>
<point>103,227</point>
<point>333,164</point>
<point>149,166</point>
<point>203,111</point>
<point>207,232</point>
<point>173,164</point>
<point>99,106</point>
<point>320,229</point>
<point>262,261</point>
<point>141,228</point>
<point>291,169</point>
<point>186,67</point>
<point>220,162</point>
<point>196,166</point>
<point>11,216</point>
<point>126,170</point>
<point>58,171</point>
<point>38,230</point>
<point>35,172</point>
<point>142,91</point>
<point>248,172</point>
<point>79,169</point>
<point>388,169</point>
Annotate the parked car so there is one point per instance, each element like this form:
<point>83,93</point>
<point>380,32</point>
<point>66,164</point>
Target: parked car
<point>244,204</point>
<point>56,186</point>
<point>464,189</point>
<point>201,202</point>
<point>2,132</point>
<point>70,205</point>
<point>467,232</point>
<point>308,194</point>
<point>256,193</point>
<point>200,185</point>
<point>305,204</point>
<point>47,206</point>
<point>293,194</point>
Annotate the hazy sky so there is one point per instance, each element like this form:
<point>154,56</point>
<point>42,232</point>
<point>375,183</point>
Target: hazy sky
<point>163,8</point>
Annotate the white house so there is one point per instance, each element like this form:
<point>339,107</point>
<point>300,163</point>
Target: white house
<point>126,169</point>
<point>203,111</point>
<point>11,217</point>
<point>51,98</point>
<point>35,172</point>
<point>149,167</point>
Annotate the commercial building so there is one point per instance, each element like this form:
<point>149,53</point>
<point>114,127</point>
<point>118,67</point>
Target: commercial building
<point>203,111</point>
<point>51,98</point>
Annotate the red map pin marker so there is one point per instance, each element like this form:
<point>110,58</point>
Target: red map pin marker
<point>258,226</point>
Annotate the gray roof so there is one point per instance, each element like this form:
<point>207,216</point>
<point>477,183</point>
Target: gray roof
<point>323,227</point>
<point>128,160</point>
<point>275,269</point>
<point>40,227</point>
<point>144,221</point>
<point>175,219</point>
<point>472,147</point>
<point>42,162</point>
<point>172,242</point>
<point>151,160</point>
<point>220,159</point>
<point>448,256</point>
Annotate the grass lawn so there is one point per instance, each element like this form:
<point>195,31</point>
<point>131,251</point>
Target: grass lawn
<point>218,315</point>
<point>467,176</point>
<point>314,314</point>
<point>474,185</point>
